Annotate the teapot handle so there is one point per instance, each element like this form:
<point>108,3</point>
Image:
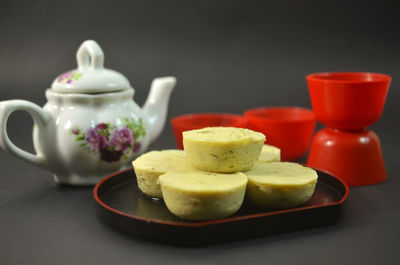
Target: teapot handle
<point>40,119</point>
<point>90,55</point>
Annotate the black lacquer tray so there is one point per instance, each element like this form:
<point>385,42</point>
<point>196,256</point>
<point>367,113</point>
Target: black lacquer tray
<point>121,204</point>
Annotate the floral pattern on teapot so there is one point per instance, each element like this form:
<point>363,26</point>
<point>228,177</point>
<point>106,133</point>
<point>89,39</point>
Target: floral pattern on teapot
<point>68,77</point>
<point>111,142</point>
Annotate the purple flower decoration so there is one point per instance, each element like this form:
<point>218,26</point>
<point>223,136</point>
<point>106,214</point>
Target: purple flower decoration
<point>65,76</point>
<point>111,142</point>
<point>101,126</point>
<point>136,147</point>
<point>95,139</point>
<point>121,139</point>
<point>69,77</point>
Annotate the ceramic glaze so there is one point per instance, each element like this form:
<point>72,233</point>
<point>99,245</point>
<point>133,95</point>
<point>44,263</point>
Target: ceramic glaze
<point>90,127</point>
<point>348,102</point>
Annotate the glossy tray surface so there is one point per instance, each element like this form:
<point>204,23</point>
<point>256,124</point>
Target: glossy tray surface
<point>121,204</point>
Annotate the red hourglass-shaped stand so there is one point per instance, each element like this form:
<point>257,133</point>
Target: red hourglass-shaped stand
<point>347,103</point>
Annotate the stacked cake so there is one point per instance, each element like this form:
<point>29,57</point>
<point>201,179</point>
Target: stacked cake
<point>218,169</point>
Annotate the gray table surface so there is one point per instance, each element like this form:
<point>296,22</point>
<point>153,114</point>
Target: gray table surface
<point>239,54</point>
<point>43,223</point>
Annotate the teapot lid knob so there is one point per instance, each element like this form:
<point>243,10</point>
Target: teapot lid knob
<point>90,55</point>
<point>90,76</point>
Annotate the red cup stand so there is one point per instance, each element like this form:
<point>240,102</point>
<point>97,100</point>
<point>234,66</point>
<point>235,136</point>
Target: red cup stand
<point>348,103</point>
<point>357,156</point>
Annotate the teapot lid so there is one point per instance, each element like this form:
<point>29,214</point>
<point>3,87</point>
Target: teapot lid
<point>90,76</point>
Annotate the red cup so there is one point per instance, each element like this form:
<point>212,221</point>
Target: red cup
<point>348,100</point>
<point>197,121</point>
<point>288,128</point>
<point>355,157</point>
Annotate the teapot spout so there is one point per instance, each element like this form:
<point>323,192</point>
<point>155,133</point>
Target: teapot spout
<point>156,106</point>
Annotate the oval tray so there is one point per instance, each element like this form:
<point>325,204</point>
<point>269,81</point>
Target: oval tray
<point>121,204</point>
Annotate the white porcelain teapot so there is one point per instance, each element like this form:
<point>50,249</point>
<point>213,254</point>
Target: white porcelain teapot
<point>90,126</point>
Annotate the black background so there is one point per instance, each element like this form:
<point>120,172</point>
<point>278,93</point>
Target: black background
<point>228,56</point>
